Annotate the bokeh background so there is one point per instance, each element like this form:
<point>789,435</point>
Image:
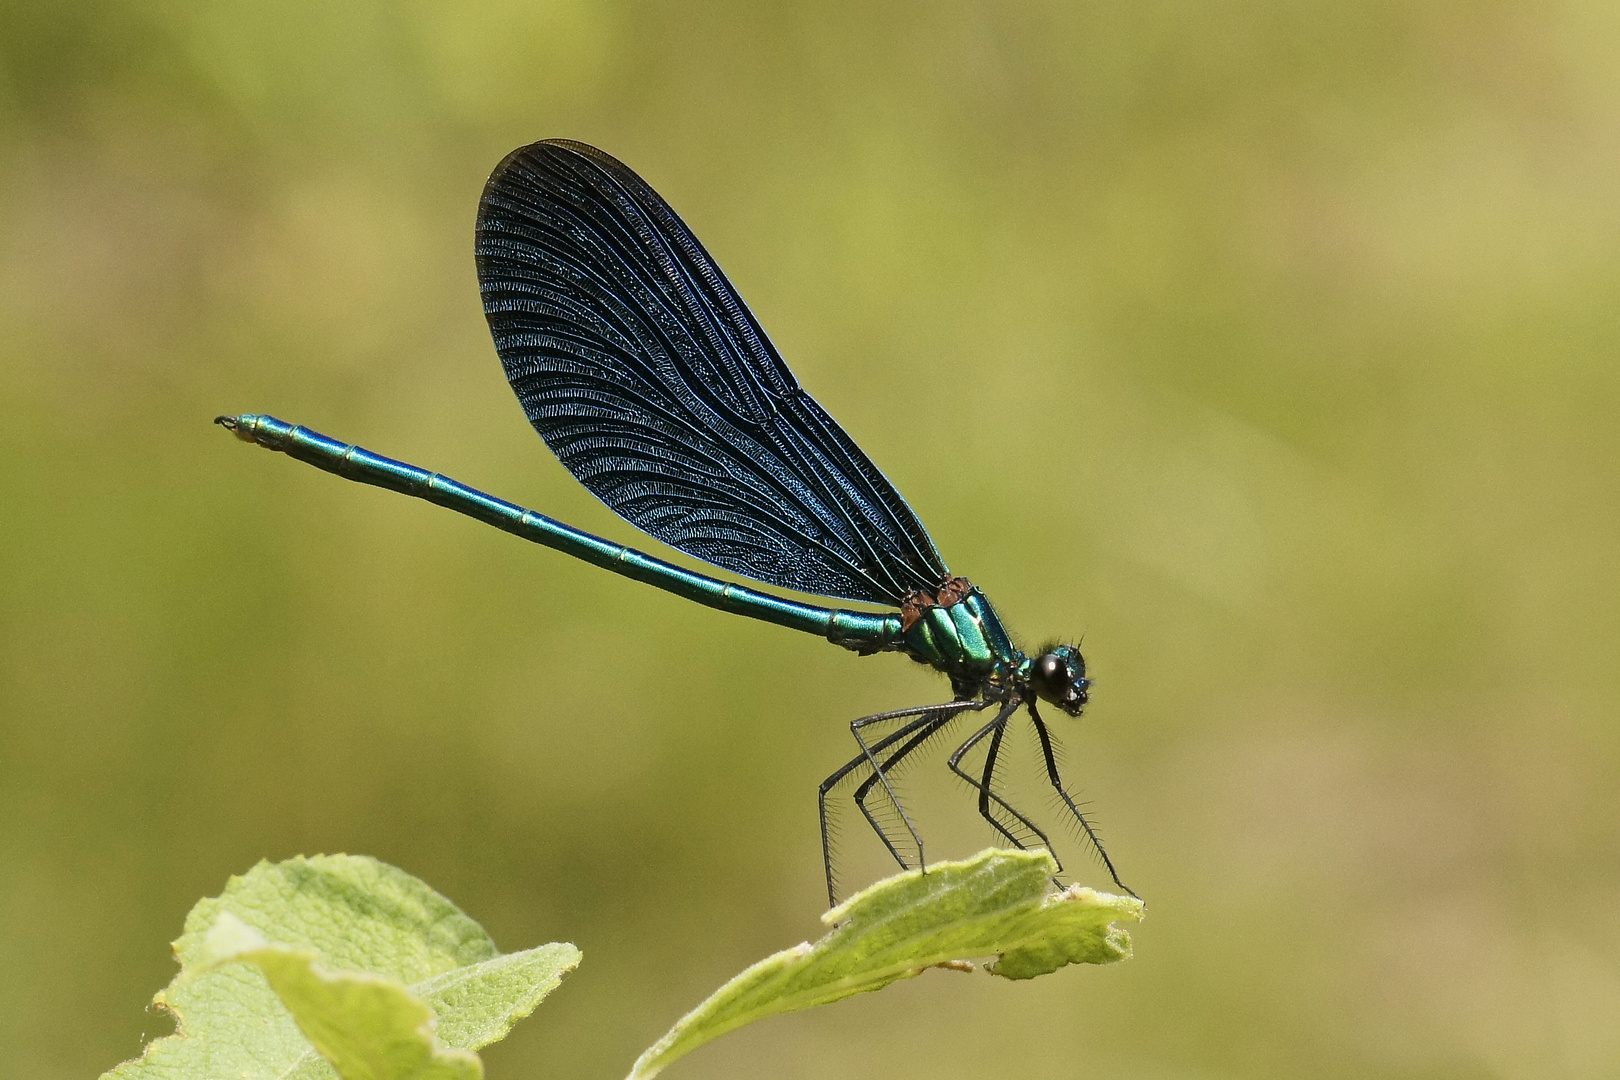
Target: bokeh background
<point>1269,345</point>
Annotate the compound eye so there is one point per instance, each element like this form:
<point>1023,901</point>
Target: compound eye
<point>1051,677</point>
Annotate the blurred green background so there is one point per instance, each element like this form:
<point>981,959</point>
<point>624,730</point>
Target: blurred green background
<point>1270,346</point>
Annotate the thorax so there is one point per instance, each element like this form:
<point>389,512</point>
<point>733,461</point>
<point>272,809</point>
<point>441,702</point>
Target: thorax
<point>957,631</point>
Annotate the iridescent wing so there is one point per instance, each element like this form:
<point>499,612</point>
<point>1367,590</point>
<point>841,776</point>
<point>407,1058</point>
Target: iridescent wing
<point>638,363</point>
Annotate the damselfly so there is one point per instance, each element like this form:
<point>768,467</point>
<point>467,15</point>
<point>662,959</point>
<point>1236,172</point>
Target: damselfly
<point>639,365</point>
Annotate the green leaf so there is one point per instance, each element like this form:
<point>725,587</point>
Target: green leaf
<point>997,903</point>
<point>368,1026</point>
<point>386,976</point>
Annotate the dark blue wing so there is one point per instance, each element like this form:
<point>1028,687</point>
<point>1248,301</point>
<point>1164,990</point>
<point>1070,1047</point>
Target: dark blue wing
<point>638,364</point>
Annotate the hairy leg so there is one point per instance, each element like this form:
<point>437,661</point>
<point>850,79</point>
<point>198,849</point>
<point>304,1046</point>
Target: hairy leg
<point>1063,793</point>
<point>925,731</point>
<point>928,715</point>
<point>994,730</point>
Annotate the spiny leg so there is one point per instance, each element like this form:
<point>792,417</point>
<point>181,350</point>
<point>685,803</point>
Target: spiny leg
<point>952,709</point>
<point>930,714</point>
<point>987,795</point>
<point>987,792</point>
<point>1057,785</point>
<point>930,726</point>
<point>855,728</point>
<point>878,772</point>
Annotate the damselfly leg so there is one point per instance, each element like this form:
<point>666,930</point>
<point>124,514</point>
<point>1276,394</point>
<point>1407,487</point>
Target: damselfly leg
<point>929,720</point>
<point>995,730</point>
<point>1048,753</point>
<point>888,769</point>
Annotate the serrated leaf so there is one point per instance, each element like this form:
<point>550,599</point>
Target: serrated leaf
<point>368,955</point>
<point>997,903</point>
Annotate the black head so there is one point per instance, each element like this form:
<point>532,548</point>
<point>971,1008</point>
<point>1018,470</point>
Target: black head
<point>1058,675</point>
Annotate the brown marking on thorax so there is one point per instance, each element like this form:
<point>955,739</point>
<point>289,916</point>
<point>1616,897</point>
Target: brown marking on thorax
<point>915,604</point>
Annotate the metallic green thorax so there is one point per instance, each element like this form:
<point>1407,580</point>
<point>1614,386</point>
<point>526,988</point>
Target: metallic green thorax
<point>965,641</point>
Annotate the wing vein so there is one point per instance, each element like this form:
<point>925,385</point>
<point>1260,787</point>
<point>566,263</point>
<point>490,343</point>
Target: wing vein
<point>638,363</point>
